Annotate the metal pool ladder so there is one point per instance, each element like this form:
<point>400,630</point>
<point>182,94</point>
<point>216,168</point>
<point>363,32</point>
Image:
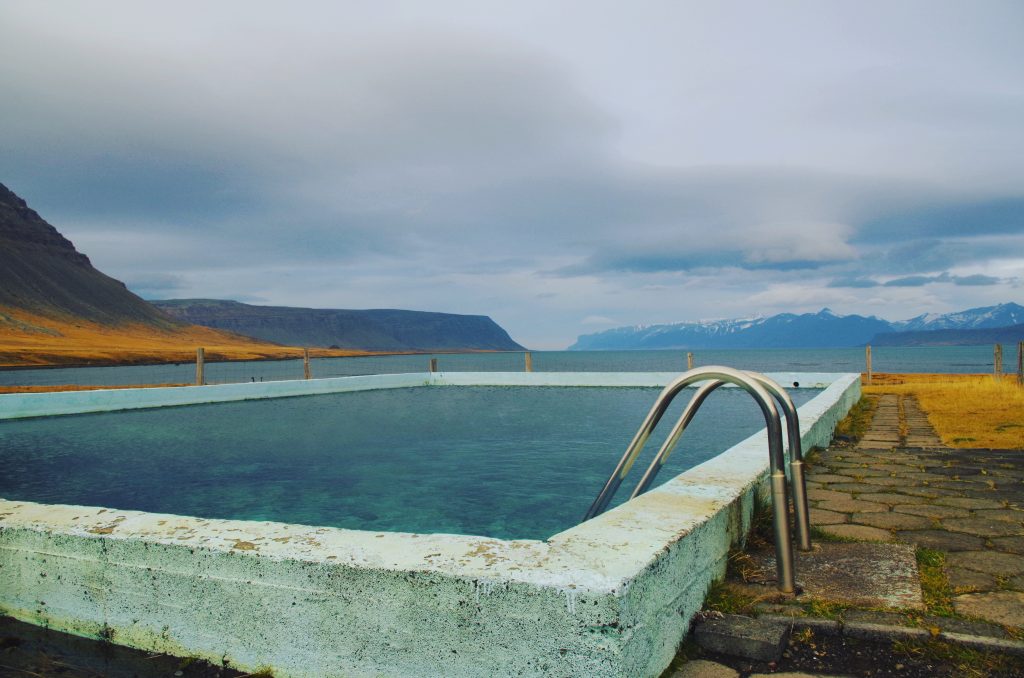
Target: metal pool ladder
<point>765,392</point>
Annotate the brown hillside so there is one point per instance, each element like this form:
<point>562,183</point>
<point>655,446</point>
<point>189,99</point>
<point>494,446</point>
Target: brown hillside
<point>56,309</point>
<point>27,339</point>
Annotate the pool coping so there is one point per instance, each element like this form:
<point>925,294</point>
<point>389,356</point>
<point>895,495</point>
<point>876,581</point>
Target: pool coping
<point>26,405</point>
<point>612,596</point>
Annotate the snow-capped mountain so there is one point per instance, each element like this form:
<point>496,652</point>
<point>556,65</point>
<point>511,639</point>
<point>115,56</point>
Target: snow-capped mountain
<point>786,330</point>
<point>1002,315</point>
<point>823,329</point>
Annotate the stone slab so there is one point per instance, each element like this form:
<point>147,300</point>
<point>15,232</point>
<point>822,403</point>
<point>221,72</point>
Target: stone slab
<point>1001,607</point>
<point>985,643</point>
<point>827,495</point>
<point>932,511</point>
<point>967,503</point>
<point>867,575</point>
<point>892,521</point>
<point>941,540</point>
<point>827,478</point>
<point>741,636</point>
<point>860,532</point>
<point>925,491</point>
<point>857,488</point>
<point>884,481</point>
<point>964,581</point>
<point>890,498</point>
<point>966,626</point>
<point>1010,544</point>
<point>702,668</point>
<point>995,563</point>
<point>1008,515</point>
<point>884,632</point>
<point>852,506</point>
<point>983,527</point>
<point>823,517</point>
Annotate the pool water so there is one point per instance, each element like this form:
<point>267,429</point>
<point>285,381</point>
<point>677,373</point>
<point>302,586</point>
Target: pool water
<point>506,462</point>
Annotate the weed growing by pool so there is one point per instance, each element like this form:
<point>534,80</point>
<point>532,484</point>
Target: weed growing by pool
<point>855,424</point>
<point>935,589</point>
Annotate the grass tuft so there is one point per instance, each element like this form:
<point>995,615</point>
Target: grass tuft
<point>935,588</point>
<point>969,663</point>
<point>855,424</point>
<point>728,600</point>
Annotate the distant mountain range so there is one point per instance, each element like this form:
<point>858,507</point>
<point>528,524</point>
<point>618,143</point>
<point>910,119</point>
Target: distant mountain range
<point>56,308</point>
<point>824,329</point>
<point>995,335</point>
<point>368,330</point>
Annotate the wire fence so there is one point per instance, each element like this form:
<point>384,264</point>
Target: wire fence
<point>946,359</point>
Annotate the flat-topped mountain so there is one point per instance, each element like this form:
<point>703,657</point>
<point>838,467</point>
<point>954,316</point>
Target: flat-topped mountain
<point>371,330</point>
<point>824,329</point>
<point>44,274</point>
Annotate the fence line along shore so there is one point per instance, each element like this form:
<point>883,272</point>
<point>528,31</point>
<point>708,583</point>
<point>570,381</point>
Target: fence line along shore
<point>311,363</point>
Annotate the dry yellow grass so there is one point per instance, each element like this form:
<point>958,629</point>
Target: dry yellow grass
<point>27,339</point>
<point>967,410</point>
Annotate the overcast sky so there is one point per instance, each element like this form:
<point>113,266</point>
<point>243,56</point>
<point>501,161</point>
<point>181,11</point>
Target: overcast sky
<point>561,167</point>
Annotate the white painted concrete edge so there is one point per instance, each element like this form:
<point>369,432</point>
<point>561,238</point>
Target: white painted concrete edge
<point>611,597</point>
<point>25,405</point>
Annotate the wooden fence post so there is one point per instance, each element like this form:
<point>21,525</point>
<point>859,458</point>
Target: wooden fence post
<point>689,361</point>
<point>200,366</point>
<point>307,373</point>
<point>1020,364</point>
<point>433,364</point>
<point>867,357</point>
<point>529,362</point>
<point>997,362</point>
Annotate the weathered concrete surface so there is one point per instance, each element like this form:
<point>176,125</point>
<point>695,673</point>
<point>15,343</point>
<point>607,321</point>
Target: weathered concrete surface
<point>610,597</point>
<point>740,636</point>
<point>869,575</point>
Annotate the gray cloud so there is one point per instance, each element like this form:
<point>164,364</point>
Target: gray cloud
<point>916,280</point>
<point>976,280</point>
<point>859,283</point>
<point>510,161</point>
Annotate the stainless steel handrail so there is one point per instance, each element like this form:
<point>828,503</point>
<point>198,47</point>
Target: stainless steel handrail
<point>776,456</point>
<point>796,465</point>
<point>798,486</point>
<point>673,437</point>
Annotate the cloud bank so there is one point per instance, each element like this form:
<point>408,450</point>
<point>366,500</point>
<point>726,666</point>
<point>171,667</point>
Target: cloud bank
<point>551,167</point>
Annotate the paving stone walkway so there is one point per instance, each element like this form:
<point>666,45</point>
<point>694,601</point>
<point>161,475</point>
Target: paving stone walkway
<point>900,484</point>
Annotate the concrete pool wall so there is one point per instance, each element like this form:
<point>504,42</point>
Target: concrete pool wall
<point>610,597</point>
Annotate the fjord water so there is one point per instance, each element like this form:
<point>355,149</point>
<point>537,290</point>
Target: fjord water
<point>956,359</point>
<point>501,462</point>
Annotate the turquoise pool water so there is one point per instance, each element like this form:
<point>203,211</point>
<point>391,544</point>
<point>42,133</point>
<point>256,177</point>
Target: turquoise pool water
<point>495,461</point>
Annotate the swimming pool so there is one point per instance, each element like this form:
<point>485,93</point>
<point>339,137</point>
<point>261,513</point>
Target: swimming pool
<point>611,596</point>
<point>511,462</point>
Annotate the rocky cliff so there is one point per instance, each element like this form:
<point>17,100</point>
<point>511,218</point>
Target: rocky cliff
<point>41,272</point>
<point>370,330</point>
